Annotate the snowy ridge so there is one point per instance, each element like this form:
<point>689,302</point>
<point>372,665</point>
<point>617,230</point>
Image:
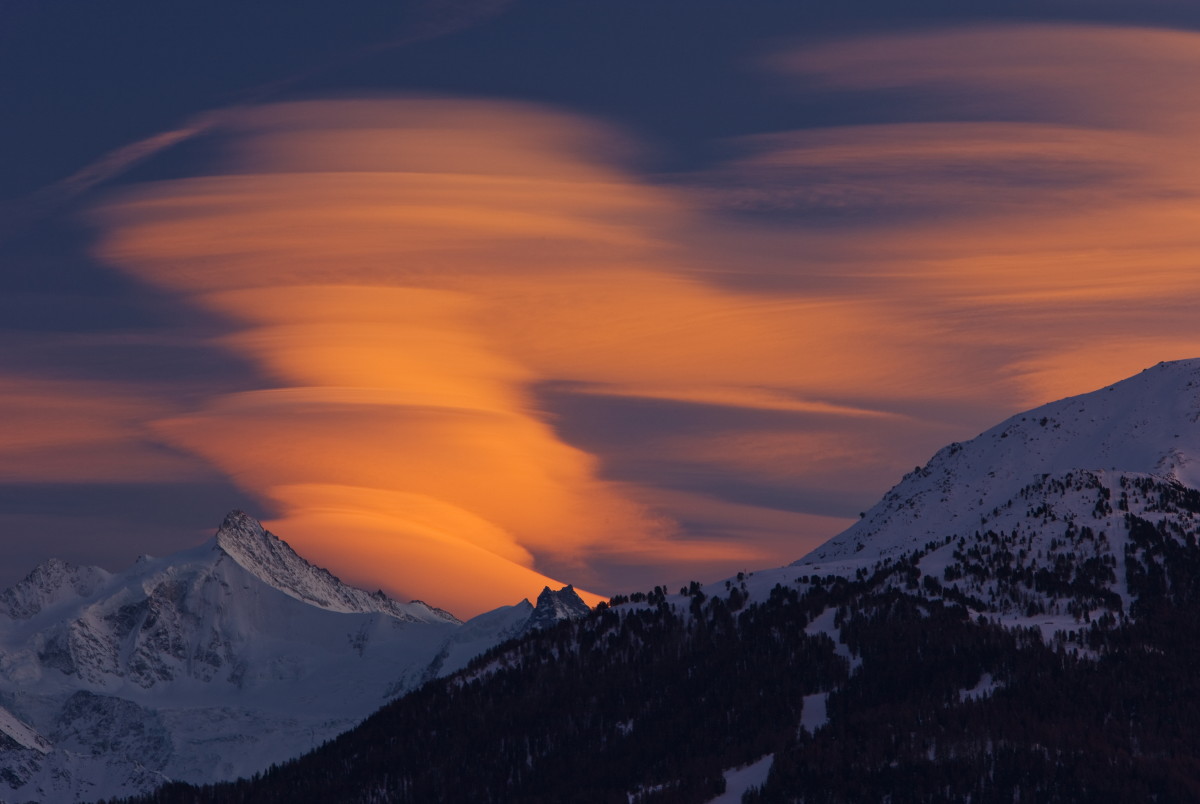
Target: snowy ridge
<point>21,733</point>
<point>243,538</point>
<point>509,622</point>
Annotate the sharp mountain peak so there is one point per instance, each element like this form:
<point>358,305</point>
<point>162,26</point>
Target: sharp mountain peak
<point>244,540</point>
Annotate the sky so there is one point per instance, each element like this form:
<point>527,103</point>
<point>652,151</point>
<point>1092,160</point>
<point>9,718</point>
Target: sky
<point>466,298</point>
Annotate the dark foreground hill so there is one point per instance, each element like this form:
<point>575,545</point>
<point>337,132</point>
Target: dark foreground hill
<point>648,700</point>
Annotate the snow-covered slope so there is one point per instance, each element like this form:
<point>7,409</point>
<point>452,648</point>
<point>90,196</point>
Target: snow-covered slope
<point>208,664</point>
<point>1146,425</point>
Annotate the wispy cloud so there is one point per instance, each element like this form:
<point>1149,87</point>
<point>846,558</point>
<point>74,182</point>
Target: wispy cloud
<point>1030,188</point>
<point>78,432</point>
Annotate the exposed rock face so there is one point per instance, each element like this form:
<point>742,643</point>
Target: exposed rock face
<point>553,607</point>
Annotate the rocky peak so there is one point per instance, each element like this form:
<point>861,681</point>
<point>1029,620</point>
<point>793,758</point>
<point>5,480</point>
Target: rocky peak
<point>242,536</point>
<point>243,539</point>
<point>554,607</point>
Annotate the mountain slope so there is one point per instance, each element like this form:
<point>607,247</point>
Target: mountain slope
<point>1042,520</point>
<point>1145,426</point>
<point>208,664</point>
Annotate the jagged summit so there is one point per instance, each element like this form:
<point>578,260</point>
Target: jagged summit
<point>1144,426</point>
<point>553,607</point>
<point>240,528</point>
<point>242,538</point>
<point>254,548</point>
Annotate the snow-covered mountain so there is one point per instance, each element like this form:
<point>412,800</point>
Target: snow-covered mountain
<point>1037,519</point>
<point>209,664</point>
<point>1145,426</point>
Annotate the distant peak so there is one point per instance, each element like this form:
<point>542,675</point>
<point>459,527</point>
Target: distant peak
<point>247,543</point>
<point>51,582</point>
<point>553,607</point>
<point>237,524</point>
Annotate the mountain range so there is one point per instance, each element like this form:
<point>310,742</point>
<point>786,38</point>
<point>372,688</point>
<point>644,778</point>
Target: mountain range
<point>1014,620</point>
<point>210,664</point>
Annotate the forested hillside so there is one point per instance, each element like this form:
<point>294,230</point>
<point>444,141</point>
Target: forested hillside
<point>650,700</point>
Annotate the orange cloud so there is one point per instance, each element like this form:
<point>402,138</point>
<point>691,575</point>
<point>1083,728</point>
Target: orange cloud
<point>726,537</point>
<point>1108,76</point>
<point>79,432</point>
<point>432,550</point>
<point>403,315</point>
<point>1061,233</point>
<point>474,323</point>
<point>407,276</point>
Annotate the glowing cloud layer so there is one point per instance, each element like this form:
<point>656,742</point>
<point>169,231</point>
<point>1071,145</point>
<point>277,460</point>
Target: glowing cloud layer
<point>494,357</point>
<point>1043,205</point>
<point>79,432</point>
<point>404,313</point>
